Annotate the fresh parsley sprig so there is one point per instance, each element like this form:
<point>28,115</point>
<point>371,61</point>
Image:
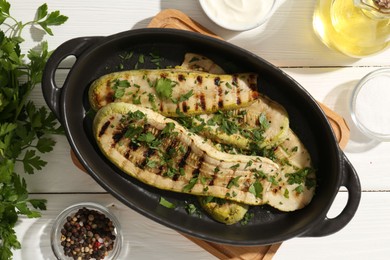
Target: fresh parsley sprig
<point>24,129</point>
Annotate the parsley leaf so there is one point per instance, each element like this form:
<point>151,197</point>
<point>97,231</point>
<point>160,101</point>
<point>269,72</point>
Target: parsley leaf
<point>24,128</point>
<point>164,87</point>
<point>233,182</point>
<point>31,161</point>
<point>184,97</point>
<point>166,203</point>
<point>264,121</point>
<point>190,185</point>
<point>256,189</point>
<point>45,20</point>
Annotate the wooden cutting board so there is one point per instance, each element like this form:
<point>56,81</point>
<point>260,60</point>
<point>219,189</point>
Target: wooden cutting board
<point>175,19</point>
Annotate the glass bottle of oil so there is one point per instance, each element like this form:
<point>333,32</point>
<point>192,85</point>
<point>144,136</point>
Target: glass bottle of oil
<point>357,28</point>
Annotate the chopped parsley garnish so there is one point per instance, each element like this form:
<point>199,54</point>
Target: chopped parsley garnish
<point>151,164</point>
<point>247,217</point>
<point>286,194</point>
<point>264,121</point>
<point>190,184</point>
<point>166,203</point>
<point>126,55</point>
<point>301,177</point>
<point>256,189</point>
<point>234,167</point>
<point>164,87</point>
<point>152,100</point>
<point>192,209</point>
<point>184,97</point>
<point>156,59</point>
<point>146,137</point>
<point>233,182</point>
<point>119,87</point>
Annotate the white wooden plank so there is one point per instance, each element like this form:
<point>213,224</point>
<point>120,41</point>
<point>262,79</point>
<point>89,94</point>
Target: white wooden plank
<point>367,236</point>
<point>286,40</point>
<point>142,238</point>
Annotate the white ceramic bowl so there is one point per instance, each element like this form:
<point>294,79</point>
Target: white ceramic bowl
<point>60,221</point>
<point>370,105</point>
<point>238,15</point>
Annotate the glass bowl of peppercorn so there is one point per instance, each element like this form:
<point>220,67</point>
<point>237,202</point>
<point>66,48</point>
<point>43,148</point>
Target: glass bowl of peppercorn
<point>86,231</point>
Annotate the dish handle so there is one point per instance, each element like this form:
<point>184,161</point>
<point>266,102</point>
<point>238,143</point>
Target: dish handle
<point>328,226</point>
<point>52,92</point>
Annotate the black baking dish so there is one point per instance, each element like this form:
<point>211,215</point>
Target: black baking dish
<point>96,56</point>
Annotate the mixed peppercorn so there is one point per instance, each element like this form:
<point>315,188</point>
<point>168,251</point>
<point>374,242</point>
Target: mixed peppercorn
<point>87,234</point>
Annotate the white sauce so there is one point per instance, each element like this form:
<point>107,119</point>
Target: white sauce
<point>238,14</point>
<point>372,107</point>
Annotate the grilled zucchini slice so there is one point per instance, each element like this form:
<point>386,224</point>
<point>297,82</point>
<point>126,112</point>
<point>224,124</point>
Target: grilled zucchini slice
<point>224,211</point>
<point>160,152</point>
<point>172,92</point>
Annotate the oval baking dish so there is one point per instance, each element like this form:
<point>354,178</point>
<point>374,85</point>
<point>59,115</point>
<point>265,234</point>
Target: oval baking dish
<point>96,56</point>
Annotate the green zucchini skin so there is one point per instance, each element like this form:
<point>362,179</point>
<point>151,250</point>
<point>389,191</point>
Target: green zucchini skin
<point>191,92</point>
<point>200,168</point>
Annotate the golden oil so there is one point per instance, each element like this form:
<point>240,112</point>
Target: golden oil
<point>351,27</point>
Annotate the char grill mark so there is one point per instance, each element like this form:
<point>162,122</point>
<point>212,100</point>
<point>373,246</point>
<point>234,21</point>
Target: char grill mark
<point>185,107</point>
<point>182,161</point>
<point>181,77</point>
<point>245,186</point>
<point>116,137</point>
<point>202,99</point>
<point>235,80</point>
<point>172,151</point>
<point>214,177</point>
<point>253,82</point>
<point>147,154</point>
<point>197,103</point>
<point>167,145</point>
<point>199,79</point>
<point>133,146</point>
<point>110,97</point>
<point>196,171</point>
<point>238,96</point>
<point>220,97</point>
<point>217,81</point>
<point>238,91</point>
<point>104,128</point>
<point>161,106</point>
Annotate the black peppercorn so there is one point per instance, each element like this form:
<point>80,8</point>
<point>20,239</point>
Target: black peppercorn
<point>87,234</point>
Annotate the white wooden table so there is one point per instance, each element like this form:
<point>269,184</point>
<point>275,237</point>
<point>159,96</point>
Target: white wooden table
<point>287,41</point>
